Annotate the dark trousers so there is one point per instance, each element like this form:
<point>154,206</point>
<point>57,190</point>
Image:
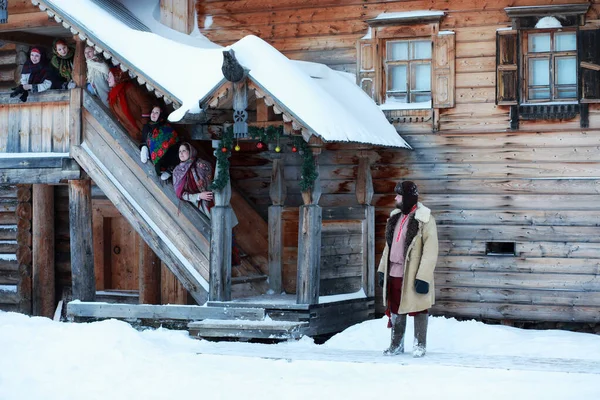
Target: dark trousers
<point>394,295</point>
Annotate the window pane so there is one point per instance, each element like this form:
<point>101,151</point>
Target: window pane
<point>421,96</point>
<point>565,41</point>
<point>397,51</point>
<point>397,78</point>
<point>422,79</point>
<point>539,42</point>
<point>566,92</point>
<point>566,71</point>
<point>421,50</point>
<point>539,71</point>
<point>539,93</point>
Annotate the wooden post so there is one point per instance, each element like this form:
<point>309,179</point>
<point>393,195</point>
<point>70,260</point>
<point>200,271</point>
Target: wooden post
<point>79,67</point>
<point>220,240</point>
<point>82,254</point>
<point>278,193</point>
<point>43,251</point>
<point>149,275</point>
<point>309,242</point>
<point>364,195</point>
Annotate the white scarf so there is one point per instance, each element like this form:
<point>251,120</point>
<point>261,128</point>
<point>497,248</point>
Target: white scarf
<point>96,70</point>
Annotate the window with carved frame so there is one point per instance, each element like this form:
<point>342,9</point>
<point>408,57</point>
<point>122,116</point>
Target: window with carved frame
<point>408,70</point>
<point>550,65</point>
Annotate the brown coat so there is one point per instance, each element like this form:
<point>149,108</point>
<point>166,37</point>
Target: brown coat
<point>139,104</point>
<point>420,260</point>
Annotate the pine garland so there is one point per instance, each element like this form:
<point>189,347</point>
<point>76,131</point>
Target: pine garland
<point>308,171</point>
<point>222,156</point>
<point>265,135</point>
<point>269,134</point>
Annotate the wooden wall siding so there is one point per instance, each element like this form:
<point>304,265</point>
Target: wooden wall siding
<point>539,190</point>
<point>177,14</point>
<point>341,257</point>
<point>34,128</point>
<point>15,249</point>
<point>327,30</point>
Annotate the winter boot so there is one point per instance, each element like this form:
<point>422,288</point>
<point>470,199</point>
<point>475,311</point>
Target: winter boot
<point>420,345</point>
<point>397,340</point>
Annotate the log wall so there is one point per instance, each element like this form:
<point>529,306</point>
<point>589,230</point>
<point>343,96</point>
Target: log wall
<point>15,249</point>
<point>537,187</point>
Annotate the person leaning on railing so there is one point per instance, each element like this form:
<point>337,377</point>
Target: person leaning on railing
<point>36,75</point>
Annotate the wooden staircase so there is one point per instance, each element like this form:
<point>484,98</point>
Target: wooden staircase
<point>175,230</point>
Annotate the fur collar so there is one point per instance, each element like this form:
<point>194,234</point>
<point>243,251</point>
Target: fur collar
<point>422,214</point>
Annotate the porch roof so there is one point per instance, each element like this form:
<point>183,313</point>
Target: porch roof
<point>185,69</point>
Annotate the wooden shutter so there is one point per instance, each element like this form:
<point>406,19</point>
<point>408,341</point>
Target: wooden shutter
<point>589,65</point>
<point>365,68</point>
<point>442,90</point>
<point>507,76</point>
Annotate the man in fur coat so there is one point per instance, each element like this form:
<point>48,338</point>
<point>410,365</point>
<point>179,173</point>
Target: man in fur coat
<point>406,267</point>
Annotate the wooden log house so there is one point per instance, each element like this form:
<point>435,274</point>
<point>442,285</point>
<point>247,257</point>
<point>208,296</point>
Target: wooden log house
<point>123,243</point>
<point>510,175</point>
<point>504,129</point>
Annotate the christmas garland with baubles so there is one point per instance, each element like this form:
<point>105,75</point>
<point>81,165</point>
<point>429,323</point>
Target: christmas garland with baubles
<point>264,135</point>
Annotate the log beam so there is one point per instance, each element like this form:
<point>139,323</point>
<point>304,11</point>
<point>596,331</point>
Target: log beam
<point>43,251</point>
<point>82,254</point>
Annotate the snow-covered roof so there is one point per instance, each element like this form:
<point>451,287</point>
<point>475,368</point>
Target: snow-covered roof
<point>186,69</point>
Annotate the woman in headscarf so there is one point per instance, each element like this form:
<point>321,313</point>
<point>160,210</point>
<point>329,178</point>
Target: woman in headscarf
<point>192,178</point>
<point>97,75</point>
<point>35,76</point>
<point>160,144</point>
<point>129,103</point>
<point>62,61</point>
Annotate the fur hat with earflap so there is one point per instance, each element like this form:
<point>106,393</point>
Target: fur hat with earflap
<point>410,195</point>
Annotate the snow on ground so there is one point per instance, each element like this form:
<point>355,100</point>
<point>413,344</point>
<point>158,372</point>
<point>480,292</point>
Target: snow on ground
<point>466,360</point>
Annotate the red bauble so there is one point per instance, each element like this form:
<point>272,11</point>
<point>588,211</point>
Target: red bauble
<point>259,145</point>
<point>294,149</point>
<point>224,149</point>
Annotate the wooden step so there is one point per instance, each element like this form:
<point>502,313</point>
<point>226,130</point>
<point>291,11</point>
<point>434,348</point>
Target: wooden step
<point>118,296</point>
<point>266,329</point>
<point>247,279</point>
<point>80,309</point>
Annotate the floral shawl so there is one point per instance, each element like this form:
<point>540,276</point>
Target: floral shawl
<point>192,176</point>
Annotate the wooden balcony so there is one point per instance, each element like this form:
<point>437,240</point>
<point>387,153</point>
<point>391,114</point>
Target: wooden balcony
<point>34,139</point>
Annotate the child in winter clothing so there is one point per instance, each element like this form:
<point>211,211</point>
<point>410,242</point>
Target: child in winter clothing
<point>62,61</point>
<point>160,144</point>
<point>97,75</point>
<point>35,76</point>
<point>129,103</point>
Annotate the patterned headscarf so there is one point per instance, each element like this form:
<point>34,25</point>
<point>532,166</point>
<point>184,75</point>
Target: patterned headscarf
<point>64,65</point>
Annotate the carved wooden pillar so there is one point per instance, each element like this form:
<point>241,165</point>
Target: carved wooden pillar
<point>309,242</point>
<point>43,251</point>
<point>220,240</point>
<point>82,252</point>
<point>364,195</point>
<point>278,193</point>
